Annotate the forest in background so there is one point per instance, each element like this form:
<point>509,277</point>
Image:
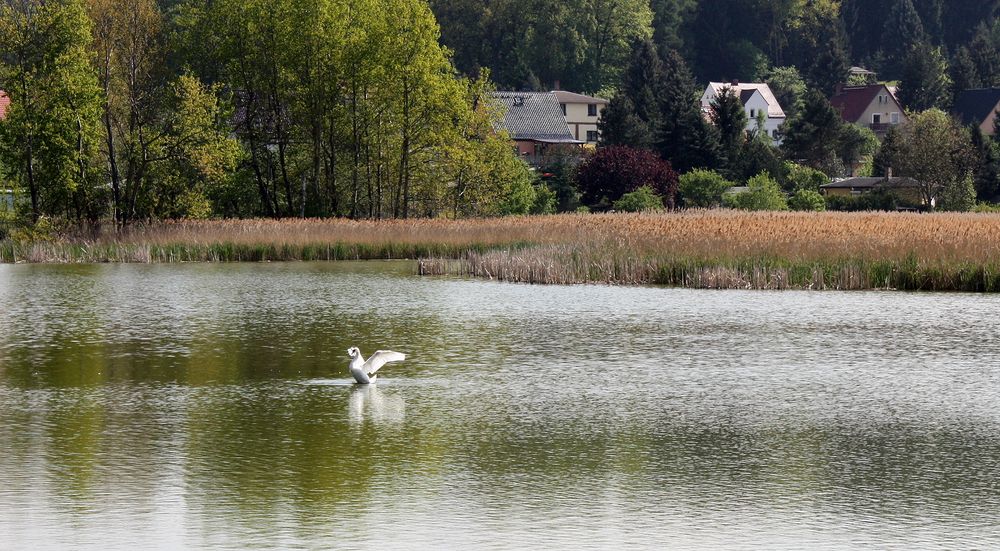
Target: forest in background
<point>584,44</point>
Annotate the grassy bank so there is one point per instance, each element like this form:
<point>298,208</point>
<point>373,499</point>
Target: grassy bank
<point>706,249</point>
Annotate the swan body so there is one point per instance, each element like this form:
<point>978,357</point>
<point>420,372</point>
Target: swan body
<point>364,371</point>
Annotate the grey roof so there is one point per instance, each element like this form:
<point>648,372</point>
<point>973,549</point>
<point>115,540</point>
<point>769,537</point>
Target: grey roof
<point>534,116</point>
<point>973,106</point>
<point>572,97</point>
<point>872,182</point>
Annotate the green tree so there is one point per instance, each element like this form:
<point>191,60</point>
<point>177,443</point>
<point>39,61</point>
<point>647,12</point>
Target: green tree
<point>962,72</point>
<point>788,88</point>
<point>925,81</point>
<point>633,115</point>
<point>197,179</point>
<point>48,140</point>
<point>703,188</point>
<point>763,193</point>
<point>903,29</point>
<point>806,200</point>
<point>803,177</point>
<point>684,137</point>
<point>728,116</point>
<point>984,54</point>
<point>641,200</point>
<point>935,151</point>
<point>812,137</point>
<point>959,195</point>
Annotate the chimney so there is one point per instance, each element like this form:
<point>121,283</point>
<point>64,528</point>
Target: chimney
<point>556,85</point>
<point>838,88</point>
<point>735,83</point>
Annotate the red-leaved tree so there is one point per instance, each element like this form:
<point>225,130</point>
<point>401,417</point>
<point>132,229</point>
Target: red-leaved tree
<point>614,171</point>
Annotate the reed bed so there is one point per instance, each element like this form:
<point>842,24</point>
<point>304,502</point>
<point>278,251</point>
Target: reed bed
<point>706,249</point>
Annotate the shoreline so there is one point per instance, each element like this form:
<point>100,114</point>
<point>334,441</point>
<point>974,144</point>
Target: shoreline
<point>716,249</point>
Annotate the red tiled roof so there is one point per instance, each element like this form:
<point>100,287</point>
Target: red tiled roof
<point>4,102</point>
<point>852,101</point>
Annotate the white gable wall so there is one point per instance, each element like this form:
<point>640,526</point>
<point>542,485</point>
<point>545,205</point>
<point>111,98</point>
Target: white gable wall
<point>755,104</point>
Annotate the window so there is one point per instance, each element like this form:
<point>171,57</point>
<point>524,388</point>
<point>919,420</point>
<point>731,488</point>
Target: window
<point>877,118</point>
<point>592,135</point>
<point>563,105</point>
<point>894,118</point>
<point>592,110</point>
<point>753,113</point>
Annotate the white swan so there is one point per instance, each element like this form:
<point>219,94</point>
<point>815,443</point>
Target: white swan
<point>364,371</point>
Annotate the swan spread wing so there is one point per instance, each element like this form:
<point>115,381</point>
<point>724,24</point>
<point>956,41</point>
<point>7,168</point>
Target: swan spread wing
<point>380,358</point>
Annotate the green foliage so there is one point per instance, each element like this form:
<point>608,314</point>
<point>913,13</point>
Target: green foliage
<point>763,193</point>
<point>49,140</point>
<point>959,195</point>
<point>925,82</point>
<point>799,177</point>
<point>933,150</point>
<point>819,138</point>
<point>520,196</point>
<point>640,200</point>
<point>545,200</point>
<point>877,200</point>
<point>788,88</point>
<point>806,199</point>
<point>728,116</point>
<point>703,188</point>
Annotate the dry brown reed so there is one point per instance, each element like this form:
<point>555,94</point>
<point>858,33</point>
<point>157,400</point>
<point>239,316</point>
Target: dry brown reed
<point>698,248</point>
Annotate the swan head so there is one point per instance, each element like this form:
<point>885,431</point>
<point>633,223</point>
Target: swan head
<point>353,352</point>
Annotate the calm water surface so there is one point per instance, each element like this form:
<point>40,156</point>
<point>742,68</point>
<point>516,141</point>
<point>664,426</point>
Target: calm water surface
<point>208,406</point>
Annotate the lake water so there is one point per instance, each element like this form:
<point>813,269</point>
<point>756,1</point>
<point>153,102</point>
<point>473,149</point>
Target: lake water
<point>209,406</point>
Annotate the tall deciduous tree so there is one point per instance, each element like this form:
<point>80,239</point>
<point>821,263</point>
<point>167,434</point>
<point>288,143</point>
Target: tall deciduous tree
<point>48,140</point>
<point>935,151</point>
<point>129,58</point>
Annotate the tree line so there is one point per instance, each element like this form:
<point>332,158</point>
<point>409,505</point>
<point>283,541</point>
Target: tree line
<point>130,110</point>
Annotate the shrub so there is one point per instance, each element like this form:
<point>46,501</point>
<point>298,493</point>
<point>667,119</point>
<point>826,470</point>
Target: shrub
<point>807,199</point>
<point>763,193</point>
<point>803,177</point>
<point>614,171</point>
<point>640,200</point>
<point>703,188</point>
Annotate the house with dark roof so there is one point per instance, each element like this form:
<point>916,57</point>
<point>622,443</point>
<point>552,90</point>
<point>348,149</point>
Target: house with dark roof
<point>905,188</point>
<point>582,113</point>
<point>873,106</point>
<point>756,98</point>
<point>536,123</point>
<point>4,104</point>
<point>978,108</point>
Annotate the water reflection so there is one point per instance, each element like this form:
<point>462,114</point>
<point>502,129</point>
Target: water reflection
<point>206,406</point>
<point>370,403</point>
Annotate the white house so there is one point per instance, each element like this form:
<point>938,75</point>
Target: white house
<point>756,97</point>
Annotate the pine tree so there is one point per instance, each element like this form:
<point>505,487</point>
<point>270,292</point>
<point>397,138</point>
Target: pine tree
<point>963,73</point>
<point>925,82</point>
<point>812,137</point>
<point>619,125</point>
<point>903,28</point>
<point>684,137</point>
<point>985,57</point>
<point>888,153</point>
<point>729,117</point>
